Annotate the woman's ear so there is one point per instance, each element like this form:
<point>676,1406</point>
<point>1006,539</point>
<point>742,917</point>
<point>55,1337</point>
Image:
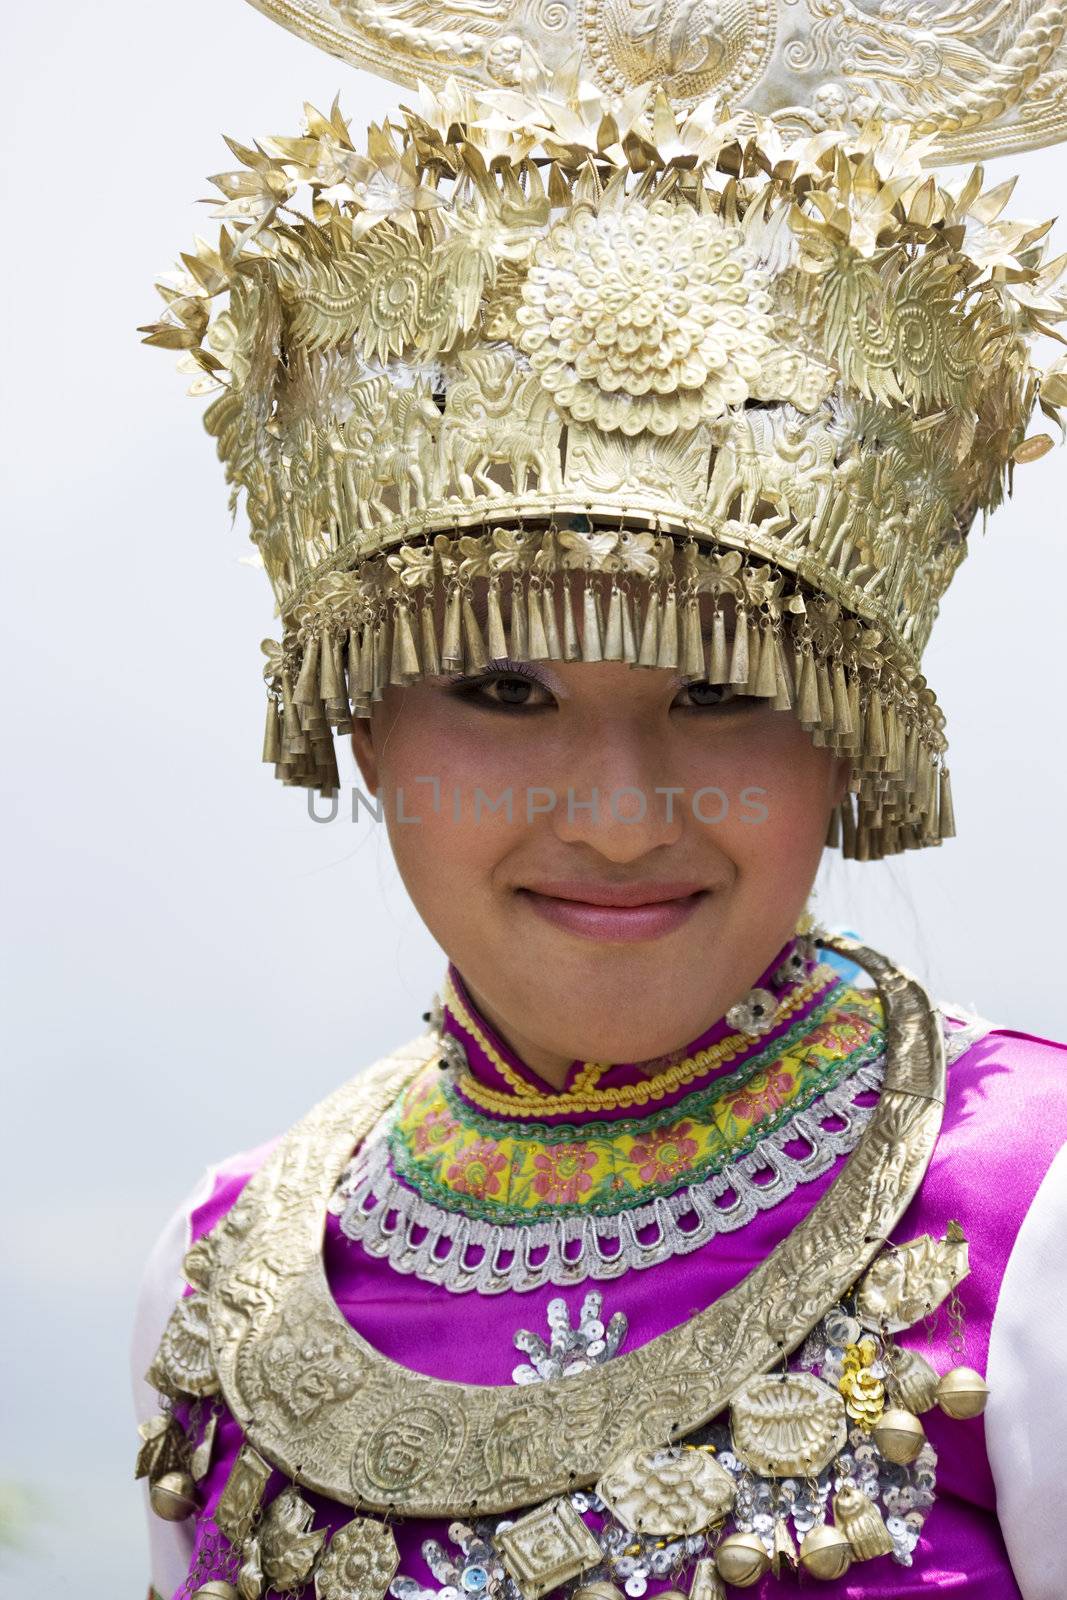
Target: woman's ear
<point>365,753</point>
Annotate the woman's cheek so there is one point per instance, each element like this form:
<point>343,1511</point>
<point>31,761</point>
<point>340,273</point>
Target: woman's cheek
<point>453,802</point>
<point>765,794</point>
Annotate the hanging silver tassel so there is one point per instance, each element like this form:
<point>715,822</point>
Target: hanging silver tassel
<point>383,655</point>
<point>598,603</point>
<point>785,689</point>
<point>352,668</point>
<point>900,752</point>
<point>925,782</point>
<point>911,756</point>
<point>833,832</point>
<point>613,630</point>
<point>329,685</point>
<point>307,689</point>
<point>718,657</point>
<point>572,650</point>
<point>892,739</point>
<point>855,708</point>
<point>592,644</point>
<point>475,654</point>
<point>766,685</point>
<point>396,671</point>
<point>498,643</point>
<point>808,708</point>
<point>946,816</point>
<point>629,632</point>
<point>366,666</point>
<point>431,661</point>
<point>538,641</point>
<point>338,648</point>
<point>692,642</point>
<point>667,653</point>
<point>875,741</point>
<point>406,649</point>
<point>551,627</point>
<point>753,658</point>
<point>452,641</point>
<point>826,696</point>
<point>843,724</point>
<point>372,649</point>
<point>739,653</point>
<point>649,648</point>
<point>520,638</point>
<point>330,778</point>
<point>272,733</point>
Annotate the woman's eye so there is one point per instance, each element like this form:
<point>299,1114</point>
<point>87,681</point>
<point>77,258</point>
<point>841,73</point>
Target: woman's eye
<point>701,694</point>
<point>506,690</point>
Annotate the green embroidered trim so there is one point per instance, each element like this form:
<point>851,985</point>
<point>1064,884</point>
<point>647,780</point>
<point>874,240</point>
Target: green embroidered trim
<point>613,1194</point>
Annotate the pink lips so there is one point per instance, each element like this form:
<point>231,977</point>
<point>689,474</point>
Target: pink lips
<point>615,912</point>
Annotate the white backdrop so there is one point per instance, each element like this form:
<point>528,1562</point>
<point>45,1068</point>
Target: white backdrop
<point>191,962</point>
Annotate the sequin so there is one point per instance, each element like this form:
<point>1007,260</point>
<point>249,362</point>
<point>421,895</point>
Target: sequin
<point>570,1350</point>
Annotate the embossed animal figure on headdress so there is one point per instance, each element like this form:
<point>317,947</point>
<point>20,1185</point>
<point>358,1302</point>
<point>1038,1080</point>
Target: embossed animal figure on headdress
<point>387,441</point>
<point>497,414</point>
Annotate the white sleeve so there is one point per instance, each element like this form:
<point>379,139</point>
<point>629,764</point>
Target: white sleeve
<point>170,1544</point>
<point>1026,1417</point>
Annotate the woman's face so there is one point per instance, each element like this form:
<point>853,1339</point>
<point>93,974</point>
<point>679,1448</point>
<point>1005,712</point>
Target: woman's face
<point>610,858</point>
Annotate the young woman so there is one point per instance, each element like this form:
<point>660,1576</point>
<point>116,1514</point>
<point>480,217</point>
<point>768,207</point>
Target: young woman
<point>608,466</point>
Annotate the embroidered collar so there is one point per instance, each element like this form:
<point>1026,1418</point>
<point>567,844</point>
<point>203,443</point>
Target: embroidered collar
<point>496,1082</point>
<point>483,1202</point>
<point>507,1170</point>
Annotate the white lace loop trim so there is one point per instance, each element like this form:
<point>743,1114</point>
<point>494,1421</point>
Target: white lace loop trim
<point>469,1255</point>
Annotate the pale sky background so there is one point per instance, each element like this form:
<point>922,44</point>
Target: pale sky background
<point>191,962</point>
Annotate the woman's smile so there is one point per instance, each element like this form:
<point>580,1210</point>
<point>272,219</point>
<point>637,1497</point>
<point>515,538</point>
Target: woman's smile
<point>613,912</point>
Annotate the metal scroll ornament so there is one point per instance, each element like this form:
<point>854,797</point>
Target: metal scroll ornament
<point>905,1283</point>
<point>667,1491</point>
<point>359,1562</point>
<point>787,1424</point>
<point>980,79</point>
<point>316,1400</point>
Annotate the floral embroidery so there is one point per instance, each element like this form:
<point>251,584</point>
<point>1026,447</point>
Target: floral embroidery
<point>523,1171</point>
<point>763,1095</point>
<point>475,1171</point>
<point>436,1128</point>
<point>837,1033</point>
<point>664,1153</point>
<point>563,1172</point>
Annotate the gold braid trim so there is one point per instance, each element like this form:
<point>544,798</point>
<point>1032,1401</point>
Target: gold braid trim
<point>585,1097</point>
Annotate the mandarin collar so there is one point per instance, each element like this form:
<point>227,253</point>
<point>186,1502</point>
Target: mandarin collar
<point>501,1083</point>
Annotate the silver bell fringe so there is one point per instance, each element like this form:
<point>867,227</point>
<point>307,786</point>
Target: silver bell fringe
<point>581,592</point>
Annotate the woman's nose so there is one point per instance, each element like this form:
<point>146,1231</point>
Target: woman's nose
<point>618,796</point>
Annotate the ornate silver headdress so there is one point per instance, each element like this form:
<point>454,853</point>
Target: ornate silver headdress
<point>574,368</point>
